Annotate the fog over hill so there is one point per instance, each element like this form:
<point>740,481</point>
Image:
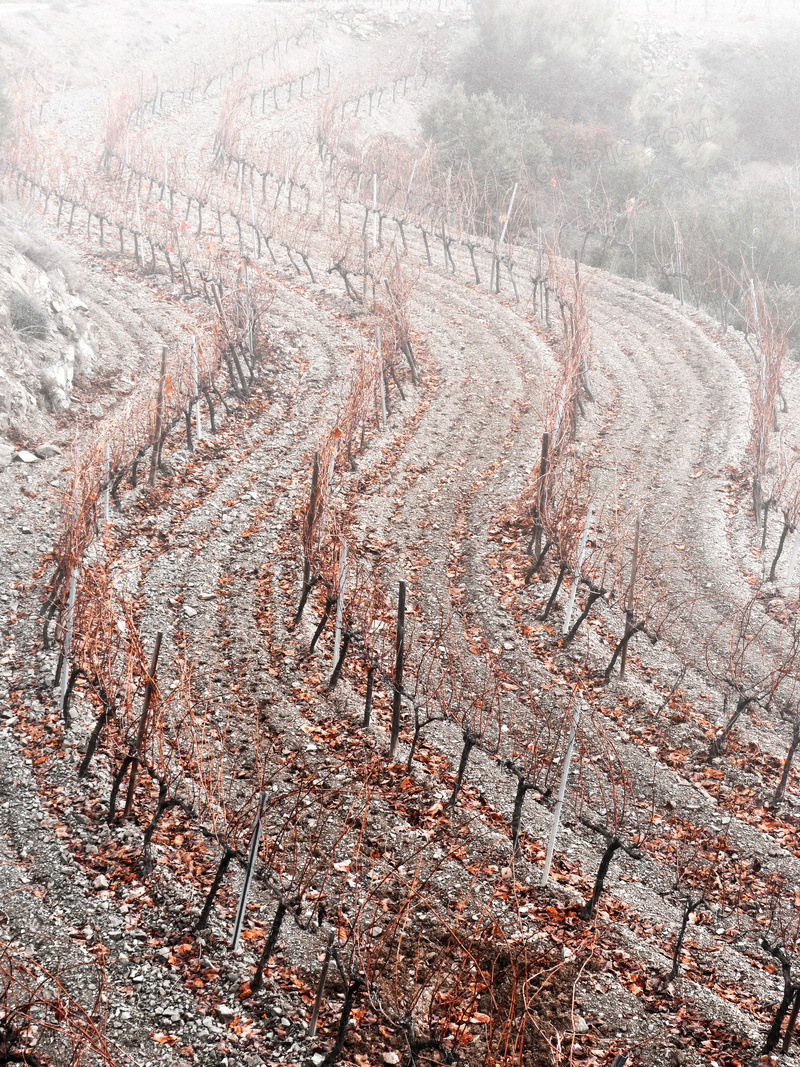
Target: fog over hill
<point>399,526</point>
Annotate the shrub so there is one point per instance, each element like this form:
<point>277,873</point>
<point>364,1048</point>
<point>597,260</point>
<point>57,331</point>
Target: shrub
<point>476,128</point>
<point>24,231</point>
<point>469,127</point>
<point>47,254</point>
<point>566,60</point>
<point>758,84</point>
<point>27,317</point>
<point>577,143</point>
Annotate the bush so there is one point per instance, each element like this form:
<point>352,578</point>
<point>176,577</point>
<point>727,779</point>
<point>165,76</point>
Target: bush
<point>469,128</point>
<point>25,232</point>
<point>565,60</point>
<point>476,129</point>
<point>27,317</point>
<point>758,85</point>
<point>47,254</point>
<point>751,227</point>
<point>577,143</point>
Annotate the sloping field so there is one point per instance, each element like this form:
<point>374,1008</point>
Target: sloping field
<point>350,414</point>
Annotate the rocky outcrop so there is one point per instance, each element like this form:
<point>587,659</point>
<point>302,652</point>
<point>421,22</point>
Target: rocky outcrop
<point>45,329</point>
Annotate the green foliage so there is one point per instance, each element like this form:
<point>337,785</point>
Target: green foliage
<point>566,60</point>
<point>636,138</point>
<point>753,226</point>
<point>476,129</point>
<point>526,135</point>
<point>27,317</point>
<point>758,85</point>
<point>469,128</point>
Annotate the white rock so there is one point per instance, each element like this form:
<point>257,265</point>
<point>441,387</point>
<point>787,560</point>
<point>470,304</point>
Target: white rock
<point>47,451</point>
<point>100,882</point>
<point>68,359</point>
<point>581,1025</point>
<point>16,403</point>
<point>41,282</point>
<point>390,1058</point>
<point>54,386</point>
<point>190,612</point>
<point>66,325</point>
<point>25,457</point>
<point>84,356</point>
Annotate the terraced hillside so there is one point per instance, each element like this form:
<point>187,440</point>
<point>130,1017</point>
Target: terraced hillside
<point>284,393</point>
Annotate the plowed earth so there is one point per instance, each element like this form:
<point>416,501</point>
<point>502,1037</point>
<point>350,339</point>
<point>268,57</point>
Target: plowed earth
<point>213,554</point>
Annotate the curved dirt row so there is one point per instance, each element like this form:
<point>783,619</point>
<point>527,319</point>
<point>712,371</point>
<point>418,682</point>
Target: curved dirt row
<point>431,487</point>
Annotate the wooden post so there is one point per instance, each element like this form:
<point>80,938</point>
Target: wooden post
<point>380,374</point>
<point>629,605</point>
<point>576,578</point>
<point>383,398</point>
<point>368,700</point>
<point>249,321</point>
<point>374,210</point>
<point>428,251</point>
<point>540,494</point>
<point>340,601</point>
<point>508,213</point>
<point>562,789</point>
<point>224,863</point>
<point>140,736</point>
<point>540,278</point>
<point>366,265</point>
<point>312,1025</point>
<point>792,563</point>
<point>494,277</point>
<point>311,517</point>
<point>252,221</point>
<point>410,183</point>
<point>162,383</point>
<point>73,588</point>
<point>762,449</point>
<point>398,669</point>
<point>239,372</point>
<point>787,1040</point>
<point>196,384</point>
<point>106,480</point>
<point>252,853</point>
<point>680,263</point>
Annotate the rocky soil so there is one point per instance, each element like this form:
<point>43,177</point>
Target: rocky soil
<point>212,558</point>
